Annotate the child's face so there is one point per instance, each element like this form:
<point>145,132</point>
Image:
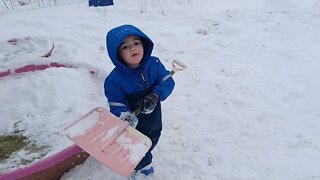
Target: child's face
<point>131,51</point>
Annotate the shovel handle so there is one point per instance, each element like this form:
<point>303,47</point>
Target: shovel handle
<point>176,66</point>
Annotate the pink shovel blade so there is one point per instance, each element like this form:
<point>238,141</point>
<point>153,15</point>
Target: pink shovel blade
<point>110,140</point>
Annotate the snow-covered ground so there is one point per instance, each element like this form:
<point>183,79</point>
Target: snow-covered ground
<point>247,108</point>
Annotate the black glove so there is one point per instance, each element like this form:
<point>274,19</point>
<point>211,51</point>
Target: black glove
<point>149,103</point>
<point>131,118</point>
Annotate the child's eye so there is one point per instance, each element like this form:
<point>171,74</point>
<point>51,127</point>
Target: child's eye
<point>124,47</point>
<point>137,43</point>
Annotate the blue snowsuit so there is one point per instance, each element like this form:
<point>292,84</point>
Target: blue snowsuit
<point>124,86</point>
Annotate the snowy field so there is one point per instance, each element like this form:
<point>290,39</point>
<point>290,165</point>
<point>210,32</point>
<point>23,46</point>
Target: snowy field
<point>247,108</point>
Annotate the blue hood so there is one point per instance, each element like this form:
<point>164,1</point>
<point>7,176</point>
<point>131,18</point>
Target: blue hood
<point>115,37</point>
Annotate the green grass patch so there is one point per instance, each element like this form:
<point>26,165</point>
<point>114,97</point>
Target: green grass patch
<point>10,144</point>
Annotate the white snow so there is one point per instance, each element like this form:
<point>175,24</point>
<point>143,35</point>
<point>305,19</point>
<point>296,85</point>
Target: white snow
<point>81,127</point>
<point>136,150</point>
<point>109,134</point>
<point>247,107</point>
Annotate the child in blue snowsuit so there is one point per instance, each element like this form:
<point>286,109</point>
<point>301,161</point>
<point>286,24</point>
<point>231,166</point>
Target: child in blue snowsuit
<point>138,79</point>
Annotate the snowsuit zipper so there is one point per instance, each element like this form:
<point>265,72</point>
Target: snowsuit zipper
<point>143,80</point>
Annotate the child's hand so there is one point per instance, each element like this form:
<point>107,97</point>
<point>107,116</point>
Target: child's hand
<point>149,103</point>
<point>131,118</point>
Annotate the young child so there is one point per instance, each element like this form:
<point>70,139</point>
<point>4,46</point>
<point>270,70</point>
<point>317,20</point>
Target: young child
<point>138,80</point>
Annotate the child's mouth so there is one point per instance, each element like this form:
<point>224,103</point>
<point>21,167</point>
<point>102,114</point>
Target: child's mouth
<point>135,54</point>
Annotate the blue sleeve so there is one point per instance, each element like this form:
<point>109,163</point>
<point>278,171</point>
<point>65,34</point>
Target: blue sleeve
<point>116,97</point>
<point>165,83</point>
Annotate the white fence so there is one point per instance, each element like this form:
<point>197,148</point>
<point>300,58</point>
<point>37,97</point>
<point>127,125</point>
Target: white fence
<point>10,6</point>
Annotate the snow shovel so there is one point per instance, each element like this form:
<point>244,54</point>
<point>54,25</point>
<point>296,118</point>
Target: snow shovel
<point>111,140</point>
